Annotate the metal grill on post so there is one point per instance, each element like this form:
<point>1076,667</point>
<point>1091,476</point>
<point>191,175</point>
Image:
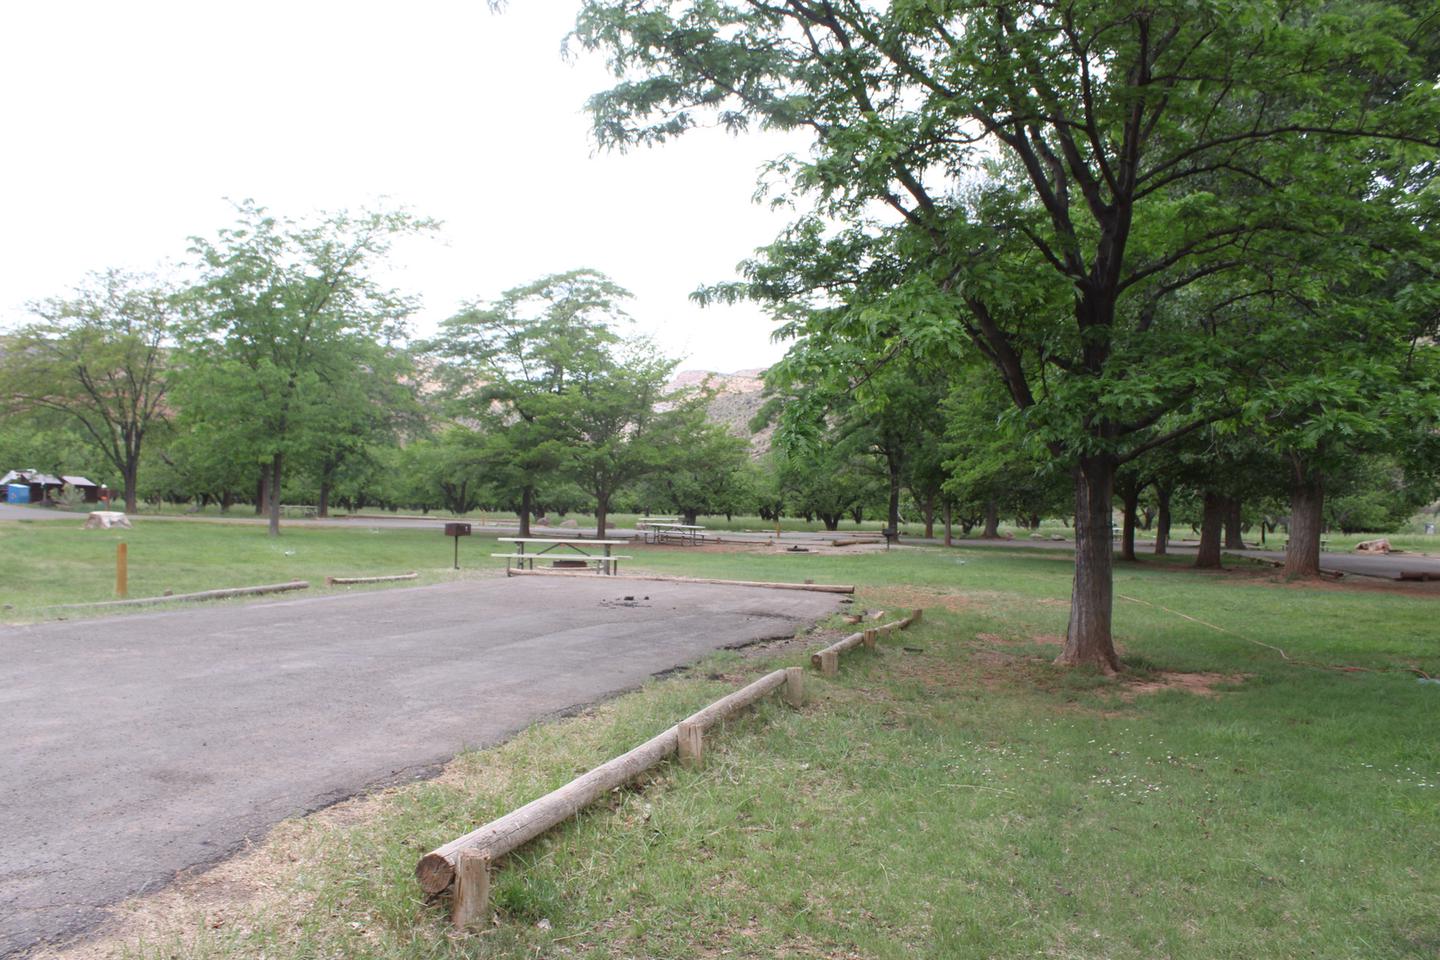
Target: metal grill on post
<point>457,530</point>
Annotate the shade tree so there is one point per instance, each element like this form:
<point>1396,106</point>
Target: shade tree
<point>1056,176</point>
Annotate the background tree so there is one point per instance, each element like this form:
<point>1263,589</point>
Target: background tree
<point>289,313</point>
<point>1123,153</point>
<point>99,358</point>
<point>511,369</point>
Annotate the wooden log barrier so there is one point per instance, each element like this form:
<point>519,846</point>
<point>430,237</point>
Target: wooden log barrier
<point>341,581</point>
<point>827,661</point>
<point>222,594</point>
<point>816,587</point>
<point>466,860</point>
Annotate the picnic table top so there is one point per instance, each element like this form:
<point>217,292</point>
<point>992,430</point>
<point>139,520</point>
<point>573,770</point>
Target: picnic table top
<point>558,540</point>
<point>679,526</point>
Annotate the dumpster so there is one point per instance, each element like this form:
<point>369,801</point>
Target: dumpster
<point>17,493</point>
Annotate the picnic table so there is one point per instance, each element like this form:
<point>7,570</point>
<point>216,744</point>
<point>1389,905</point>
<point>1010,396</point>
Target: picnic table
<point>685,533</point>
<point>573,550</point>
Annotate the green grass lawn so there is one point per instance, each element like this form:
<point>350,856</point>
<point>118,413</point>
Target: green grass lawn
<point>48,562</point>
<point>951,794</point>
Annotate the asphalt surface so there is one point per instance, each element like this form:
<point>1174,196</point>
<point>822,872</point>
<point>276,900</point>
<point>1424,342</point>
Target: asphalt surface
<point>138,746</point>
<point>11,511</point>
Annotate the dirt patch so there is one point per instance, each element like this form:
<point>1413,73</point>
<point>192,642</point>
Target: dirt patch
<point>1200,684</point>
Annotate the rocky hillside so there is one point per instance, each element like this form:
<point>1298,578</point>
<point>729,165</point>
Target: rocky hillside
<point>737,400</point>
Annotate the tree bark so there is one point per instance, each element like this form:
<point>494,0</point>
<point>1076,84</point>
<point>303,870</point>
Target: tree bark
<point>929,511</point>
<point>992,520</point>
<point>130,477</point>
<point>1211,522</point>
<point>1307,517</point>
<point>1234,531</point>
<point>1131,504</point>
<point>262,496</point>
<point>602,510</point>
<point>949,538</point>
<point>527,504</point>
<point>275,466</point>
<point>1088,639</point>
<point>322,509</point>
<point>1162,521</point>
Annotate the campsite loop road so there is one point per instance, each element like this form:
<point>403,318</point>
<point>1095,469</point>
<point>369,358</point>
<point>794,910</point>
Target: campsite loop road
<point>139,746</point>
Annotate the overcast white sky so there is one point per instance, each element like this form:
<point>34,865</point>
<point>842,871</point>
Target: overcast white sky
<point>125,124</point>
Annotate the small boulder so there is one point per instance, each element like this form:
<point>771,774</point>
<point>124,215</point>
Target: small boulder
<point>1381,545</point>
<point>569,524</point>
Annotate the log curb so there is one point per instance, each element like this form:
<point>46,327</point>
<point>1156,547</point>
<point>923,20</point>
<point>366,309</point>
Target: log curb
<point>459,862</point>
<point>202,595</point>
<point>827,661</point>
<point>343,581</point>
<point>815,587</point>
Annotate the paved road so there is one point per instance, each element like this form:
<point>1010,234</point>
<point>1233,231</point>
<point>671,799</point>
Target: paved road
<point>138,746</point>
<point>11,511</point>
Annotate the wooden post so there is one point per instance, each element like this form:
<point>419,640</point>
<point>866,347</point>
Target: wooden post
<point>795,686</point>
<point>869,638</point>
<point>829,663</point>
<point>122,570</point>
<point>472,888</point>
<point>691,744</point>
<point>915,617</point>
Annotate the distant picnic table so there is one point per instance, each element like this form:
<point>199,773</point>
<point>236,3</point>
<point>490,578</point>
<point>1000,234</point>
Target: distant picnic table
<point>656,531</point>
<point>573,551</point>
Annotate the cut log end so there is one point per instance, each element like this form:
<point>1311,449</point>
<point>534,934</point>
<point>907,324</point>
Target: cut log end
<point>434,873</point>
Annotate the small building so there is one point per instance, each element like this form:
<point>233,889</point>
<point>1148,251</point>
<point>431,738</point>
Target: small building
<point>42,486</point>
<point>87,489</point>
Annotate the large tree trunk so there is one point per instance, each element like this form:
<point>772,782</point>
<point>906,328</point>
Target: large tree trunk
<point>527,506</point>
<point>1162,521</point>
<point>1211,522</point>
<point>928,507</point>
<point>130,477</point>
<point>1131,505</point>
<point>691,516</point>
<point>275,466</point>
<point>602,510</point>
<point>322,509</point>
<point>1234,529</point>
<point>992,520</point>
<point>1307,518</point>
<point>1088,638</point>
<point>226,499</point>
<point>832,520</point>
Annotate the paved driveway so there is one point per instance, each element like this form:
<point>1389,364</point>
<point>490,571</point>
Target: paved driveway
<point>138,746</point>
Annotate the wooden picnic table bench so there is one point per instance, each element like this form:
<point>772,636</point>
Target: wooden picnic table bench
<point>605,563</point>
<point>686,533</point>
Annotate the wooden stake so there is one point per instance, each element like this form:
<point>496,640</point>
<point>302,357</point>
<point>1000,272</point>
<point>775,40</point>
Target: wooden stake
<point>869,638</point>
<point>691,743</point>
<point>122,570</point>
<point>829,662</point>
<point>472,889</point>
<point>795,686</point>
